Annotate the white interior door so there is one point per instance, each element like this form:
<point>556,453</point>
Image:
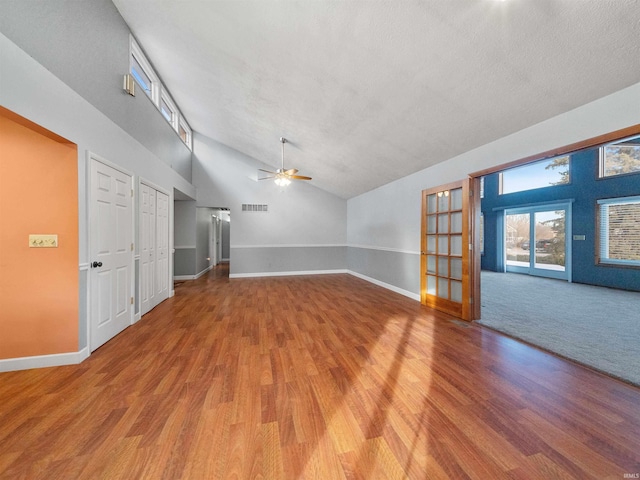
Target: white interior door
<point>145,248</point>
<point>154,246</point>
<point>111,237</point>
<point>162,247</point>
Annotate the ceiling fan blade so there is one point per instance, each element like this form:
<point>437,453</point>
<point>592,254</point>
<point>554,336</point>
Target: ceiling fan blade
<point>291,171</point>
<point>298,177</point>
<point>267,171</point>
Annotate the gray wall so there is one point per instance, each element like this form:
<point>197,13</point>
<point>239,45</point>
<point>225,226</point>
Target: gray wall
<point>225,240</point>
<point>203,226</point>
<point>184,238</point>
<point>86,45</point>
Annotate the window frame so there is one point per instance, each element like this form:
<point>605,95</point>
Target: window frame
<point>159,94</point>
<point>602,159</point>
<point>602,233</point>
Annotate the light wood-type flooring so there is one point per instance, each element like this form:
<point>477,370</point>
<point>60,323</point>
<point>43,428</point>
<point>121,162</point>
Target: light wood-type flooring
<point>316,377</point>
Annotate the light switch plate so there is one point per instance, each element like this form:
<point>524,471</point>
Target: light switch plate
<point>43,241</point>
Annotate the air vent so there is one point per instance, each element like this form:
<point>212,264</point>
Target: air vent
<point>253,207</point>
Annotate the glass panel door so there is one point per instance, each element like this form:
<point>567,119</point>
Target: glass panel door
<point>445,260</point>
<point>536,240</point>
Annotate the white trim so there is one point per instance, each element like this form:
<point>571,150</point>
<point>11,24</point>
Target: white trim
<point>388,286</point>
<point>183,277</point>
<point>285,274</point>
<point>385,249</point>
<point>42,361</point>
<point>294,245</point>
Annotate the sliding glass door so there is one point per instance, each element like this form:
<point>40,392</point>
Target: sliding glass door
<point>536,240</point>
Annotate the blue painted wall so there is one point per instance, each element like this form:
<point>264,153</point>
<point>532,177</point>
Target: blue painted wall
<point>585,189</point>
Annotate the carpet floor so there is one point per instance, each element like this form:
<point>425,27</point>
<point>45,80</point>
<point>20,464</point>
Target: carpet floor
<point>598,327</point>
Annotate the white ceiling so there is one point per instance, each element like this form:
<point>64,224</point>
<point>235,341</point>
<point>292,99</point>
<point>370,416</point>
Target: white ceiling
<point>368,91</point>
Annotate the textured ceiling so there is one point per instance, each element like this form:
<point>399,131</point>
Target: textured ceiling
<point>368,91</point>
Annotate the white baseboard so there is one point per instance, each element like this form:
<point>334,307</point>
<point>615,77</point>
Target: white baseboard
<point>183,277</point>
<point>191,277</point>
<point>42,361</point>
<point>285,274</point>
<point>388,286</point>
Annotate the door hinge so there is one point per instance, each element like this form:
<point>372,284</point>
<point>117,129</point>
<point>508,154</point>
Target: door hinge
<point>470,193</point>
<point>131,300</point>
<point>470,300</point>
<point>132,193</point>
<point>470,246</point>
<point>132,247</point>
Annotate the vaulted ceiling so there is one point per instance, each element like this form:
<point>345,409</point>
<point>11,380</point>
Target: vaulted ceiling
<point>368,91</point>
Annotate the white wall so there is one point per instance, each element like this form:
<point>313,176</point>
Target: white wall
<point>389,218</point>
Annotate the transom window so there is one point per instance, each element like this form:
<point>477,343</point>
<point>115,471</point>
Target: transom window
<point>620,158</point>
<point>619,231</point>
<point>148,80</point>
<point>544,173</point>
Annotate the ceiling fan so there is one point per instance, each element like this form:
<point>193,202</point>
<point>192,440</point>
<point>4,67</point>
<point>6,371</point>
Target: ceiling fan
<point>283,177</point>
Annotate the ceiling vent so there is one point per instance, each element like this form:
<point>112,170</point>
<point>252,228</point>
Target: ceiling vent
<point>253,207</point>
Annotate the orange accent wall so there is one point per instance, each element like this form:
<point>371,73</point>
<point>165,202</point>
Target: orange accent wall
<point>38,195</point>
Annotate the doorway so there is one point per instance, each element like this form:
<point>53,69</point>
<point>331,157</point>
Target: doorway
<point>536,240</point>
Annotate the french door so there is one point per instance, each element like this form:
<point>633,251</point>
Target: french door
<point>536,240</point>
<point>448,269</point>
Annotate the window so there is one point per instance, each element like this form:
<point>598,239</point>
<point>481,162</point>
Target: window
<point>166,110</point>
<point>141,77</point>
<point>619,231</point>
<point>146,77</point>
<point>620,158</point>
<point>185,133</point>
<point>544,173</point>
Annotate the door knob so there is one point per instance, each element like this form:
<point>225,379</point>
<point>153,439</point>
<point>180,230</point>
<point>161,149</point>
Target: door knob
<point>96,264</point>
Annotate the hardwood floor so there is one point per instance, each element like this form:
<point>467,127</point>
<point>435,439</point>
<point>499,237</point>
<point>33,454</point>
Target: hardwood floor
<point>318,377</point>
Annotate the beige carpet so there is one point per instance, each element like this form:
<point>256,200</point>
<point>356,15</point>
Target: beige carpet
<point>598,327</point>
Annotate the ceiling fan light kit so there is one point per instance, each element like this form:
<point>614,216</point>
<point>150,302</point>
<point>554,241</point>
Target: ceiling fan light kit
<point>283,177</point>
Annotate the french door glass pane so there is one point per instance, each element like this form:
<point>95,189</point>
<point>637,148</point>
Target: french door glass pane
<point>443,287</point>
<point>431,285</point>
<point>456,245</point>
<point>443,201</point>
<point>456,291</point>
<point>443,267</point>
<point>431,203</point>
<point>456,222</point>
<point>456,268</point>
<point>456,199</point>
<point>431,244</point>
<point>443,244</point>
<point>431,224</point>
<point>443,223</point>
<point>431,264</point>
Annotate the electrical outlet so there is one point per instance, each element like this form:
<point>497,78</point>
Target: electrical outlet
<point>43,241</point>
